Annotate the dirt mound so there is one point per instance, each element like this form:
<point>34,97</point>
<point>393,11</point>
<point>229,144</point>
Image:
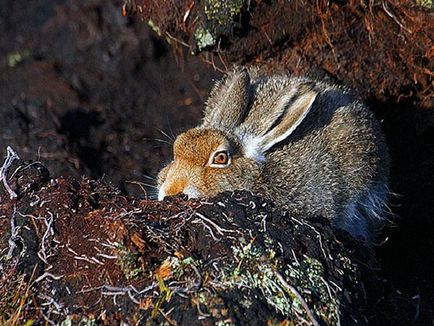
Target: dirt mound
<point>381,49</point>
<point>81,251</point>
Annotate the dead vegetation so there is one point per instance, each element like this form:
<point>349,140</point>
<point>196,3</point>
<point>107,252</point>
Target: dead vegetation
<point>382,49</point>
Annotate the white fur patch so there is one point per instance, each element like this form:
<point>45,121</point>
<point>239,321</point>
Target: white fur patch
<point>251,146</point>
<point>161,193</point>
<point>368,207</point>
<point>191,192</point>
<point>252,149</point>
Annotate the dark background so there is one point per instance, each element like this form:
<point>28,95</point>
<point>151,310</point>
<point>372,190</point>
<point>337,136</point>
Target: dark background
<point>88,91</point>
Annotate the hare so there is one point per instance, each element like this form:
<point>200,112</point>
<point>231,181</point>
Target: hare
<point>310,147</point>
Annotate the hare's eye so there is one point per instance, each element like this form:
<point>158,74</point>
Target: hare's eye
<point>221,158</point>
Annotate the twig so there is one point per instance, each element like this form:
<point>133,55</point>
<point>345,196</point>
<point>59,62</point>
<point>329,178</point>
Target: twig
<point>114,291</point>
<point>166,317</point>
<point>336,286</point>
<point>107,256</point>
<point>295,257</point>
<point>47,319</point>
<point>197,284</point>
<point>91,260</point>
<point>328,287</point>
<point>177,40</point>
<point>45,275</point>
<point>140,184</point>
<point>10,158</point>
<point>186,15</point>
<point>23,298</point>
<point>318,235</point>
<point>387,11</point>
<point>42,254</point>
<point>219,229</point>
<point>208,228</point>
<point>51,301</point>
<point>14,235</point>
<point>211,62</point>
<point>292,289</point>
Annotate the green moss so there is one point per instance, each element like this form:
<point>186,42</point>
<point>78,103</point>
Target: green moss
<point>347,263</point>
<point>154,27</point>
<point>178,267</point>
<point>204,38</point>
<point>255,270</point>
<point>219,18</point>
<point>223,12</point>
<point>128,262</point>
<point>15,58</point>
<point>425,3</point>
<point>69,321</point>
<point>309,274</point>
<point>246,303</point>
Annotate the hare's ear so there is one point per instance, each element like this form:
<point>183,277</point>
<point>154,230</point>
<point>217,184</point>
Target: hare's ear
<point>228,102</point>
<point>293,113</point>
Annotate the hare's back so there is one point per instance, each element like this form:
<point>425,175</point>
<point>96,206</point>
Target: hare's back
<point>334,164</point>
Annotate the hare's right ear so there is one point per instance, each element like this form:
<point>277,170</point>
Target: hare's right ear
<point>291,118</point>
<point>227,104</point>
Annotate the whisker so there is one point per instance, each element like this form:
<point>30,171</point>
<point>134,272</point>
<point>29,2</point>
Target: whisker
<point>170,127</point>
<point>163,141</point>
<point>152,194</point>
<point>150,185</point>
<point>158,140</point>
<point>149,177</point>
<point>165,134</point>
<point>141,183</point>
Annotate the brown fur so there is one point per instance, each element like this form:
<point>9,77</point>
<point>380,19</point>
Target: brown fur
<point>309,146</point>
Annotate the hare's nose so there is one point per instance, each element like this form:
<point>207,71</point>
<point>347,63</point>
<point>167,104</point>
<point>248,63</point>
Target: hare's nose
<point>172,188</point>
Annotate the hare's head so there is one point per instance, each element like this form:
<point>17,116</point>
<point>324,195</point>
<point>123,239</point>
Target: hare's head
<point>228,151</point>
<point>205,163</point>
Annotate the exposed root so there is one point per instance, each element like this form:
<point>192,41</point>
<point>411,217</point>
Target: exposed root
<point>10,158</point>
<point>14,236</point>
<point>294,291</point>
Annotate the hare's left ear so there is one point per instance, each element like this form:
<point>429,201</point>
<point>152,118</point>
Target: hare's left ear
<point>292,116</point>
<point>228,102</point>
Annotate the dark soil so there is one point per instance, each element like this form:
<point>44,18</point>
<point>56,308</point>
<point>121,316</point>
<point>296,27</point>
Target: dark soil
<point>383,50</point>
<point>83,251</point>
<point>93,93</point>
<point>87,92</point>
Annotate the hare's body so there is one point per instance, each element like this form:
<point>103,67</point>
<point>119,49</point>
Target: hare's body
<point>310,147</point>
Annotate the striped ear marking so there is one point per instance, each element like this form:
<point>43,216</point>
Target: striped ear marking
<point>291,118</point>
